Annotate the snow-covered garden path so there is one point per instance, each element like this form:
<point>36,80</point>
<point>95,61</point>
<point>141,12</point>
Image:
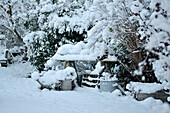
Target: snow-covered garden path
<point>19,94</point>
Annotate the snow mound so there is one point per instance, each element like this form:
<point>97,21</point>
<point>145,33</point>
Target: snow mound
<point>35,75</point>
<point>117,92</point>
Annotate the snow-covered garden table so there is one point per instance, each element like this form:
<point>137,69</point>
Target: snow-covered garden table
<point>83,52</point>
<point>71,59</point>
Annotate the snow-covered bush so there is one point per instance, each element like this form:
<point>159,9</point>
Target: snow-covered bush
<point>52,78</point>
<point>41,47</point>
<point>56,23</point>
<point>154,29</point>
<point>13,16</point>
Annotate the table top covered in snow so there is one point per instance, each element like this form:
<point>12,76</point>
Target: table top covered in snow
<point>89,58</point>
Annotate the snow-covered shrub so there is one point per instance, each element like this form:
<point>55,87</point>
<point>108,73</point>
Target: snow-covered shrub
<point>13,16</point>
<point>56,23</point>
<point>120,69</point>
<point>41,47</point>
<point>154,29</point>
<point>114,26</point>
<point>51,78</point>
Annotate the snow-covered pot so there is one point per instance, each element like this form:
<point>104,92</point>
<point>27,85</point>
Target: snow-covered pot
<point>107,86</point>
<point>66,84</point>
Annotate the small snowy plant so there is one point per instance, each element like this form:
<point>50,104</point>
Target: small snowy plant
<point>108,77</point>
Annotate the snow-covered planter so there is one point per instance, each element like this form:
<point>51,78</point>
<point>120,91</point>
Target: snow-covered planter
<point>52,79</point>
<point>66,84</point>
<point>142,91</point>
<point>108,83</point>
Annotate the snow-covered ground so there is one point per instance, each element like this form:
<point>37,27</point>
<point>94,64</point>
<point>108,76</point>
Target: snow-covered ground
<point>19,94</point>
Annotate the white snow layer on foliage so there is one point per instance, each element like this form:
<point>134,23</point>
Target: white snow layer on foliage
<point>51,77</point>
<point>162,73</point>
<point>144,87</point>
<point>136,7</point>
<point>29,38</point>
<point>47,8</point>
<point>71,49</point>
<point>164,4</point>
<point>2,37</point>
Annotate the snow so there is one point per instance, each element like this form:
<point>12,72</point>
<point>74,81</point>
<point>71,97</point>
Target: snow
<point>168,99</point>
<point>98,69</point>
<point>160,72</point>
<point>16,49</point>
<point>19,94</point>
<point>35,75</point>
<point>47,8</point>
<point>75,57</point>
<point>117,92</point>
<point>2,37</point>
<point>145,87</point>
<point>2,57</point>
<point>136,7</point>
